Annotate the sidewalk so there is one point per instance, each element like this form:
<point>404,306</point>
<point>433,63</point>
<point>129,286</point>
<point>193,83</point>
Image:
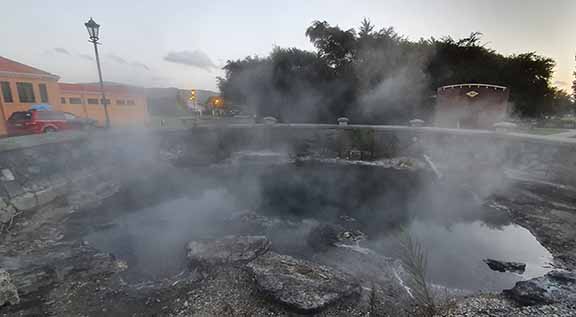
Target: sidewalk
<point>567,134</point>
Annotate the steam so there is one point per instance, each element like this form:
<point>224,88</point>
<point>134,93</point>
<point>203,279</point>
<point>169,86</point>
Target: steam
<point>186,188</point>
<point>384,84</point>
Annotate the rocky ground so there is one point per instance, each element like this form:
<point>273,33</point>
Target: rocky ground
<point>43,274</point>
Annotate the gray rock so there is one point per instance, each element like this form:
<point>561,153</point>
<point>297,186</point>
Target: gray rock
<point>63,261</point>
<point>502,266</point>
<point>325,236</point>
<point>229,250</point>
<point>7,211</point>
<point>44,196</point>
<point>301,285</point>
<point>25,202</point>
<point>13,189</point>
<point>8,292</point>
<point>322,237</point>
<point>554,287</point>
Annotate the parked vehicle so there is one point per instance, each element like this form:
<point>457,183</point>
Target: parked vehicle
<point>33,121</point>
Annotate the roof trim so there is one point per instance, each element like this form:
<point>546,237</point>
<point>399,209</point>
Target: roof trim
<point>29,75</point>
<point>472,85</point>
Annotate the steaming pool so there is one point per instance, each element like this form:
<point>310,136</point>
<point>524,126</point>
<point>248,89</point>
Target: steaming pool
<point>288,201</point>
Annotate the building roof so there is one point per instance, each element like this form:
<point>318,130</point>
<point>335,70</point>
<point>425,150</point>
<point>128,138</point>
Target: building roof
<point>10,66</point>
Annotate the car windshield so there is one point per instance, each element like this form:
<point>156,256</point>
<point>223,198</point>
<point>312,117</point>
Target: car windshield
<point>288,158</point>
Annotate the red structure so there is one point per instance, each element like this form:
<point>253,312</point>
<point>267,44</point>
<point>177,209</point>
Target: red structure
<point>471,106</point>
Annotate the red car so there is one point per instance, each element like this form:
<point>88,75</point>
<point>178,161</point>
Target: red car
<point>31,122</point>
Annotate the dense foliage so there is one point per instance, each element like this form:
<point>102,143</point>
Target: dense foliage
<point>379,76</point>
<point>574,88</point>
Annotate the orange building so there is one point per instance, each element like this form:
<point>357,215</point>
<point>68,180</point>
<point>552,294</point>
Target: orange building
<point>127,105</point>
<point>22,86</point>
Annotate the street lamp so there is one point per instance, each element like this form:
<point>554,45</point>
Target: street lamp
<point>93,30</point>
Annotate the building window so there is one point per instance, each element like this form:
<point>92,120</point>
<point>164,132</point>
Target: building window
<point>25,92</point>
<point>130,102</point>
<point>107,101</point>
<point>63,100</point>
<point>6,92</point>
<point>92,101</point>
<point>43,92</point>
<point>75,101</point>
<point>120,101</point>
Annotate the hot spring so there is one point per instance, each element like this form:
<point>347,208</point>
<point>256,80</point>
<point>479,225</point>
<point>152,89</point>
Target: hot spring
<point>149,223</point>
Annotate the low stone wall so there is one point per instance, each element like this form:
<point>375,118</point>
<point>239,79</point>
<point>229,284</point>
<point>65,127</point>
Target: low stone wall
<point>544,158</point>
<point>35,170</point>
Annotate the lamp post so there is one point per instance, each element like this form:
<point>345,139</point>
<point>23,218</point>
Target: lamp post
<point>93,30</point>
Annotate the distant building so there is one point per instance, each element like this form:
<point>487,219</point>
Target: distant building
<point>127,105</point>
<point>471,106</point>
<point>166,102</point>
<point>22,86</point>
<point>174,102</point>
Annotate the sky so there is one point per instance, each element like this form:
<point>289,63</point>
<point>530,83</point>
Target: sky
<point>184,43</point>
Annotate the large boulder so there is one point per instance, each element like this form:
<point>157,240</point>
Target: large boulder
<point>322,237</point>
<point>554,287</point>
<point>502,266</point>
<point>229,250</point>
<point>325,236</point>
<point>69,261</point>
<point>8,292</point>
<point>301,285</point>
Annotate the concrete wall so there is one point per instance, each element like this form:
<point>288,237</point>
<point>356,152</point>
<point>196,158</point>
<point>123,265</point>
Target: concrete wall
<point>35,170</point>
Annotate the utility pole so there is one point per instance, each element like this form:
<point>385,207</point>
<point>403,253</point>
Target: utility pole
<point>93,30</point>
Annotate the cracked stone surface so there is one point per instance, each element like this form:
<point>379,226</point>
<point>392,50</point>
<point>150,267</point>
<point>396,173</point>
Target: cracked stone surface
<point>554,287</point>
<point>301,285</point>
<point>8,292</point>
<point>229,250</point>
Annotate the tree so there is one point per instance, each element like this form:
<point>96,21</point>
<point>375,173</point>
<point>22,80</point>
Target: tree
<point>379,76</point>
<point>334,45</point>
<point>366,28</point>
<point>528,76</point>
<point>561,103</point>
<point>574,87</point>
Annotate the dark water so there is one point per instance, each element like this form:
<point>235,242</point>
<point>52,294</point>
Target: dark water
<point>455,253</point>
<point>456,230</point>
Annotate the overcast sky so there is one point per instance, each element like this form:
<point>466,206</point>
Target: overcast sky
<point>183,43</point>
